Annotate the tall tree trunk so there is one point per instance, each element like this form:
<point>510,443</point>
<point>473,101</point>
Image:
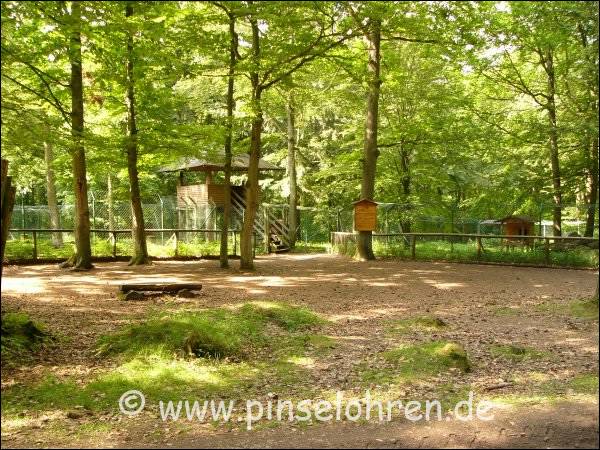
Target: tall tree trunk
<point>83,257</point>
<point>291,170</point>
<point>140,251</point>
<point>224,260</point>
<point>405,181</point>
<point>57,240</point>
<point>7,201</point>
<point>554,155</point>
<point>252,188</point>
<point>591,196</point>
<point>591,144</point>
<point>111,203</point>
<point>371,152</point>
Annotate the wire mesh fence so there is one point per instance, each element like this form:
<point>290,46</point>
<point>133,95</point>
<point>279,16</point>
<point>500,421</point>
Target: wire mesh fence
<point>40,244</point>
<point>313,233</point>
<point>534,250</point>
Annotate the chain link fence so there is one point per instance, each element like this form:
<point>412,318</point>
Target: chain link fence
<point>315,225</point>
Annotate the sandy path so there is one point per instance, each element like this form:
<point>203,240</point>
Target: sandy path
<point>359,298</point>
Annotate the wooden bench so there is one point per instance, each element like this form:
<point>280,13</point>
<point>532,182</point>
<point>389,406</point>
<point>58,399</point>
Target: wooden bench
<point>138,291</point>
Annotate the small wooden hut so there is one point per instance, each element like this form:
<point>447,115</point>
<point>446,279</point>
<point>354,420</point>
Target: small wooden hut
<point>518,226</point>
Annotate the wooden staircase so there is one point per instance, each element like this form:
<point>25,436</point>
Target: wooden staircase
<point>267,226</point>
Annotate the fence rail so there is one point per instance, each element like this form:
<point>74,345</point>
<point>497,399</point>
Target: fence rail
<point>29,248</point>
<point>566,251</point>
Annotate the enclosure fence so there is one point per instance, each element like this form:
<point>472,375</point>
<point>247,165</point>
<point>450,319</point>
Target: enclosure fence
<point>535,250</point>
<point>33,245</point>
<point>193,230</point>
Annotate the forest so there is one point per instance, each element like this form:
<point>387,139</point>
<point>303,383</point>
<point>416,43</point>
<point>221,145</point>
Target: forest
<point>444,109</point>
<point>296,224</point>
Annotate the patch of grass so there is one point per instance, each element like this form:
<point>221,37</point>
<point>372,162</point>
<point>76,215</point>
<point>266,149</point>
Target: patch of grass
<point>584,384</point>
<point>418,361</point>
<point>431,250</point>
<point>288,317</point>
<point>311,247</point>
<point>235,351</point>
<point>216,333</point>
<point>584,309</point>
<point>426,323</point>
<point>541,390</point>
<point>506,311</point>
<point>516,352</point>
<point>20,337</point>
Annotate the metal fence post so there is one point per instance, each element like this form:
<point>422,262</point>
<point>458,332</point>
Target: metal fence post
<point>413,247</point>
<point>176,241</point>
<point>114,249</point>
<point>478,247</point>
<point>547,250</point>
<point>162,221</point>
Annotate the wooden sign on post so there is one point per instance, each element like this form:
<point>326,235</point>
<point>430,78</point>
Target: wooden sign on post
<point>365,215</point>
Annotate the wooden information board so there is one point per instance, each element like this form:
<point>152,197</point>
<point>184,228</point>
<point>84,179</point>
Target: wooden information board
<point>365,215</point>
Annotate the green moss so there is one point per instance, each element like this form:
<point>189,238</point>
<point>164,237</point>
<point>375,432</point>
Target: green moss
<point>516,352</point>
<point>20,337</point>
<point>418,361</point>
<point>507,311</point>
<point>584,309</point>
<point>233,352</point>
<point>426,323</point>
<point>585,383</point>
<point>288,317</point>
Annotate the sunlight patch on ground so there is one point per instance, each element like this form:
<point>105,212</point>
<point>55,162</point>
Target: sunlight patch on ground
<point>17,285</point>
<point>443,286</point>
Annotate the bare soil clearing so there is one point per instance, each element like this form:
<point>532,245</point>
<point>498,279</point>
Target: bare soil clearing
<point>483,305</point>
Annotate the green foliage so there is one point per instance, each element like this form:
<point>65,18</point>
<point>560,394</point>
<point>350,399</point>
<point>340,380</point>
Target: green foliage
<point>463,125</point>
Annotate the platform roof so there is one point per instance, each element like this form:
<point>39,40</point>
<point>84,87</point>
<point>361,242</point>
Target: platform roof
<point>239,163</point>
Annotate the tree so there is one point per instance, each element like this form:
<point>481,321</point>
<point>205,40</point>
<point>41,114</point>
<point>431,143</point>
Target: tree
<point>33,75</point>
<point>140,251</point>
<point>57,240</point>
<point>83,255</point>
<point>266,69</point>
<point>233,53</point>
<point>291,168</point>
<point>372,34</point>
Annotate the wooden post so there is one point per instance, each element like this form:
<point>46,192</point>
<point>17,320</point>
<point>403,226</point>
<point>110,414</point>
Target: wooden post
<point>413,246</point>
<point>267,231</point>
<point>35,253</point>
<point>479,247</point>
<point>547,249</point>
<point>234,242</point>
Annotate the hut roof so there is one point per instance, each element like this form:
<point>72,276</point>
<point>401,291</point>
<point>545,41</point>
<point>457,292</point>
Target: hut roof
<point>526,219</point>
<point>239,163</point>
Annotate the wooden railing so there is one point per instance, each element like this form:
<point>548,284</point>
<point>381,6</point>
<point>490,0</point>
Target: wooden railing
<point>508,241</point>
<point>176,234</point>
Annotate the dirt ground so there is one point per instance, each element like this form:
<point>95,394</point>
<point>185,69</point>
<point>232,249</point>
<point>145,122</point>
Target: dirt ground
<point>360,299</point>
